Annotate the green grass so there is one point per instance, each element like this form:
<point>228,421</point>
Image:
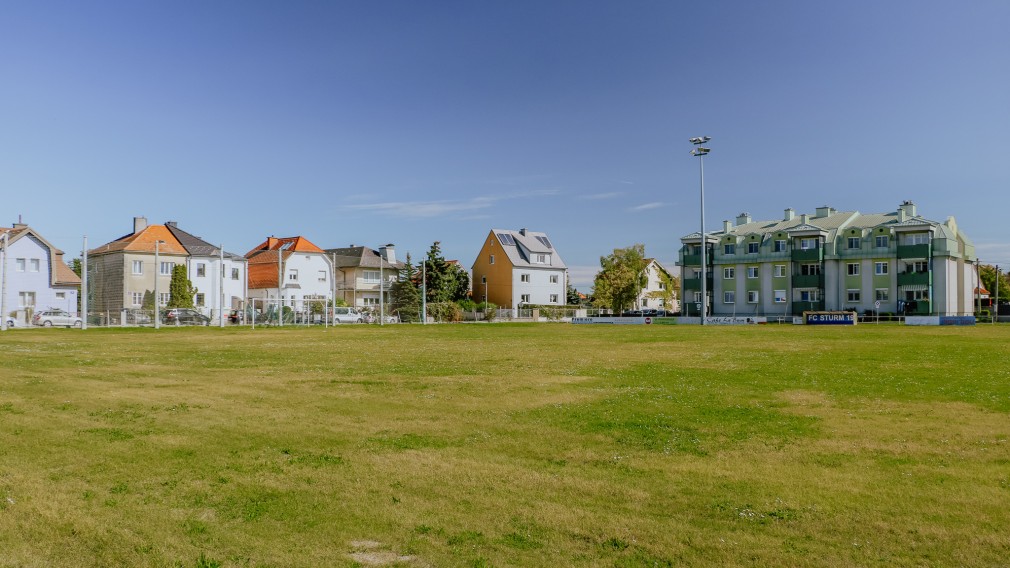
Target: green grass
<point>506,445</point>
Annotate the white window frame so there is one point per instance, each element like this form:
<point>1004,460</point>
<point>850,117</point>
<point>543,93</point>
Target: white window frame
<point>852,296</point>
<point>554,298</point>
<point>881,239</point>
<point>525,298</point>
<point>780,296</point>
<point>163,300</point>
<point>21,264</point>
<point>880,268</point>
<point>137,298</point>
<point>490,259</point>
<point>882,294</point>
<point>729,248</point>
<point>729,273</point>
<point>166,268</point>
<point>34,265</point>
<point>201,270</point>
<point>554,278</point>
<point>292,275</point>
<point>370,277</point>
<point>524,277</point>
<point>322,276</point>
<point>780,245</point>
<point>852,269</point>
<point>199,299</point>
<point>235,274</point>
<point>752,296</point>
<point>858,242</point>
<point>752,272</point>
<point>753,247</point>
<point>780,270</point>
<point>26,299</point>
<point>138,267</point>
<point>807,243</point>
<point>729,297</point>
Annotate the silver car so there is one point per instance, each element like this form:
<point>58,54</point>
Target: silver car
<point>344,314</point>
<point>52,316</point>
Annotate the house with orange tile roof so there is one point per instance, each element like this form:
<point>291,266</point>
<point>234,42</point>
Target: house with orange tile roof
<point>37,276</point>
<point>291,269</point>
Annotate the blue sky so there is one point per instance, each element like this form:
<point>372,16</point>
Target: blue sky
<point>410,122</point>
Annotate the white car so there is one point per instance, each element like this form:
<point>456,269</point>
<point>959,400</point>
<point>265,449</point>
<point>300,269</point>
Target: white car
<point>51,317</point>
<point>347,315</point>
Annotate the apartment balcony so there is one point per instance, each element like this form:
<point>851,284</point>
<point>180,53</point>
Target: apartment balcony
<point>694,284</point>
<point>910,278</point>
<point>808,255</point>
<point>913,251</point>
<point>918,308</point>
<point>800,307</point>
<point>692,260</point>
<point>808,281</point>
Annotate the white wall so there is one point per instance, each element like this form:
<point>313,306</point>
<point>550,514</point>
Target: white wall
<point>539,287</point>
<point>39,281</point>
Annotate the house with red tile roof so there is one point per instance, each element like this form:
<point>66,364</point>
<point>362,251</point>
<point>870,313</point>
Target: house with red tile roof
<point>37,276</point>
<point>291,269</point>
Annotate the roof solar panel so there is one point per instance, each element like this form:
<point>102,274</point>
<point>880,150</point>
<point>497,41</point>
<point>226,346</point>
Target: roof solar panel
<point>506,239</point>
<point>546,242</point>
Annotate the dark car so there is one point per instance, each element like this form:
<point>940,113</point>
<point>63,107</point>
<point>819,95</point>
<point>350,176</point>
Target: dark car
<point>236,316</point>
<point>184,316</point>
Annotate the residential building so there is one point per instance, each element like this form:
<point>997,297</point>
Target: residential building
<point>654,294</point>
<point>515,268</point>
<point>360,273</point>
<point>123,274</point>
<point>218,276</point>
<point>832,260</point>
<point>291,269</point>
<point>37,276</point>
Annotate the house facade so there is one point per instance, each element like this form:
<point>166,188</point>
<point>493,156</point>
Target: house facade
<point>515,268</point>
<point>655,294</point>
<point>290,270</point>
<point>218,276</point>
<point>362,273</point>
<point>37,276</point>
<point>124,273</point>
<point>832,260</point>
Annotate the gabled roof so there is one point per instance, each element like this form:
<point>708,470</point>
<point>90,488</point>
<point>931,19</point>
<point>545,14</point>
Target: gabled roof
<point>143,241</point>
<point>61,274</point>
<point>197,246</point>
<point>285,244</point>
<point>525,243</point>
<point>263,258</point>
<point>359,257</point>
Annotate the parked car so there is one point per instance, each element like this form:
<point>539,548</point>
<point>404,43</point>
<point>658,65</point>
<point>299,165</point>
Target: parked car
<point>52,316</point>
<point>347,315</point>
<point>180,316</point>
<point>138,317</point>
<point>11,322</point>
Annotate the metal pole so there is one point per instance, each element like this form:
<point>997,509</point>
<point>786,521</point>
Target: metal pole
<point>220,306</point>
<point>3,289</point>
<point>382,305</point>
<point>996,315</point>
<point>424,293</point>
<point>84,285</point>
<point>704,244</point>
<point>157,300</point>
<point>280,282</point>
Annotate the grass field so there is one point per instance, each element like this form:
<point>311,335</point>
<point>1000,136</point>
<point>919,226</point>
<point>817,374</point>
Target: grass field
<point>506,445</point>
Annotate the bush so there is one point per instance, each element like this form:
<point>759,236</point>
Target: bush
<point>467,305</point>
<point>445,311</point>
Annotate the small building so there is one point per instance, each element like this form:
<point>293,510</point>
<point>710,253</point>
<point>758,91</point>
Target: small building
<point>361,273</point>
<point>291,270</point>
<point>656,295</point>
<point>516,268</point>
<point>37,276</point>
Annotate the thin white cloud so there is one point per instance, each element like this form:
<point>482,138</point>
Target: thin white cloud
<point>439,208</point>
<point>993,253</point>
<point>582,276</point>
<point>647,206</point>
<point>608,195</point>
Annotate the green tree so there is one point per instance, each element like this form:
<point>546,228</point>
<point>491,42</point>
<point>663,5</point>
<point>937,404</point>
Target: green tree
<point>987,274</point>
<point>181,290</point>
<point>444,281</point>
<point>76,266</point>
<point>621,278</point>
<point>572,296</point>
<point>669,291</point>
<point>405,294</point>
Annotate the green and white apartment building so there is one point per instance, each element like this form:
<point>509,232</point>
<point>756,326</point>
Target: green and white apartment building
<point>832,260</point>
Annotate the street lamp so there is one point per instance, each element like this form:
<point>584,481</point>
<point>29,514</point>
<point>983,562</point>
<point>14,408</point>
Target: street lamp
<point>700,152</point>
<point>157,300</point>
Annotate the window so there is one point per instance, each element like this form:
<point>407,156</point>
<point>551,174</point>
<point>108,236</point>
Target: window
<point>729,273</point>
<point>880,241</point>
<point>371,276</point>
<point>752,272</point>
<point>201,269</point>
<point>916,295</point>
<point>525,298</point>
<point>138,298</point>
<point>34,265</point>
<point>852,269</point>
<point>780,245</point>
<point>810,295</point>
<point>524,277</point>
<point>166,268</point>
<point>234,274</point>
<point>697,296</point>
<point>780,296</point>
<point>752,248</point>
<point>61,295</point>
<point>920,266</point>
<point>483,279</point>
<point>322,276</point>
<point>662,285</point>
<point>20,265</point>
<point>554,298</point>
<point>780,270</point>
<point>852,296</point>
<point>808,244</point>
<point>810,269</point>
<point>26,299</point>
<point>199,299</point>
<point>554,278</point>
<point>917,239</point>
<point>293,275</point>
<point>752,297</point>
<point>371,301</point>
<point>880,268</point>
<point>163,298</point>
<point>729,297</point>
<point>853,242</point>
<point>138,267</point>
<point>540,258</point>
<point>882,294</point>
<point>729,249</point>
<point>491,259</point>
<point>645,302</point>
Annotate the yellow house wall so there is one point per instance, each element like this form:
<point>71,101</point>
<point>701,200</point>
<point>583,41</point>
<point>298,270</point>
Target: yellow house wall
<point>499,274</point>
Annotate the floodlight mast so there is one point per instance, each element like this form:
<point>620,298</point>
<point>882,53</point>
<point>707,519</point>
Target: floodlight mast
<point>700,151</point>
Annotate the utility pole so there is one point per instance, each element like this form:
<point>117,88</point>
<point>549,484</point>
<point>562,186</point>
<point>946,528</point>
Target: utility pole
<point>424,293</point>
<point>3,288</point>
<point>220,306</point>
<point>84,285</point>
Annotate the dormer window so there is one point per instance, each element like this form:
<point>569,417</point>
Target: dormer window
<point>729,248</point>
<point>541,258</point>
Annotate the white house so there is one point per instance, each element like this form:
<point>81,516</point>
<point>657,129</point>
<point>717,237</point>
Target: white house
<point>658,278</point>
<point>516,268</point>
<point>218,276</point>
<point>303,270</point>
<point>37,277</point>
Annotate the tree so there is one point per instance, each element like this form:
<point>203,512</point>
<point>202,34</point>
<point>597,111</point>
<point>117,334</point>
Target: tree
<point>621,278</point>
<point>181,290</point>
<point>987,274</point>
<point>669,290</point>
<point>405,295</point>
<point>572,297</point>
<point>444,282</point>
<point>77,267</point>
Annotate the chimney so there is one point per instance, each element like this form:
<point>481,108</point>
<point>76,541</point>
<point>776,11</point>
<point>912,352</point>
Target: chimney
<point>743,219</point>
<point>804,219</point>
<point>727,227</point>
<point>825,211</point>
<point>388,253</point>
<point>522,232</point>
<point>790,214</point>
<point>139,224</point>
<point>908,208</point>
